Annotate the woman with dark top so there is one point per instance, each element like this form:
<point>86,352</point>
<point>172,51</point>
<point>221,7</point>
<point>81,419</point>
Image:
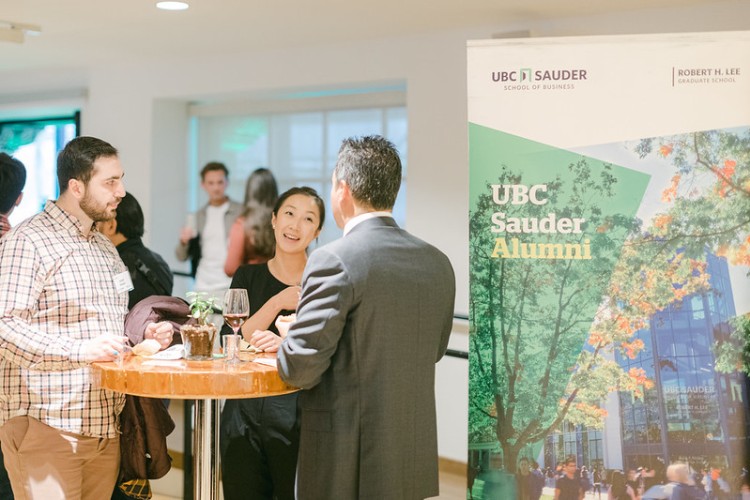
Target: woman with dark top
<point>260,436</point>
<point>149,272</point>
<point>619,489</point>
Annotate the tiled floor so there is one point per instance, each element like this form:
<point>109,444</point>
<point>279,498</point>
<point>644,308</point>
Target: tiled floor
<point>452,487</point>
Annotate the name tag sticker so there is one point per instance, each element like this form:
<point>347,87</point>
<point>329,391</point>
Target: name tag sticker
<point>123,283</point>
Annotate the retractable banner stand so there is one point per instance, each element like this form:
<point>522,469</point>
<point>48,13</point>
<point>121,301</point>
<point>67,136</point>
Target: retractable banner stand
<point>609,257</point>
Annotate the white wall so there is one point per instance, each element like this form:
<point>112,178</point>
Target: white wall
<point>141,109</point>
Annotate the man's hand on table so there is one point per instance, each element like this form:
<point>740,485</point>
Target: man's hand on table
<point>265,340</point>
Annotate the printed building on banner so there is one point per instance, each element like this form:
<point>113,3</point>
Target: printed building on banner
<point>692,413</point>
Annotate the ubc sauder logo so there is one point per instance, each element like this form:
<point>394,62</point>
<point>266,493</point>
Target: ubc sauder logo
<point>541,79</point>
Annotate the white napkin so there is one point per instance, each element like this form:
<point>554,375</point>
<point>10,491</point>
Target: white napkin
<point>266,361</point>
<point>147,347</point>
<point>174,352</point>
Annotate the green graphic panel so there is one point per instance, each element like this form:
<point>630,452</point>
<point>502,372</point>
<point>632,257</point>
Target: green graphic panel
<point>547,227</point>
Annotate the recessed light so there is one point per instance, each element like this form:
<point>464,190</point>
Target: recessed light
<point>172,5</point>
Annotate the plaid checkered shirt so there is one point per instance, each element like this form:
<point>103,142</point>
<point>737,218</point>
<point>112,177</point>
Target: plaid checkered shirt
<point>57,291</point>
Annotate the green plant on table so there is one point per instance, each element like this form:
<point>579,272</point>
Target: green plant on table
<point>201,306</point>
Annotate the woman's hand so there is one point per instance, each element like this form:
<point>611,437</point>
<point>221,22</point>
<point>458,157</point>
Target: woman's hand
<point>265,340</point>
<point>288,298</point>
<point>283,323</point>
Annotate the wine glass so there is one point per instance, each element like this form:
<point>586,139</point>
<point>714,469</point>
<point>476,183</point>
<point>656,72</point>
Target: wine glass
<point>236,310</point>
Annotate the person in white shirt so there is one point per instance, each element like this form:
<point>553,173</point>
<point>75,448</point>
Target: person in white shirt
<point>205,244</point>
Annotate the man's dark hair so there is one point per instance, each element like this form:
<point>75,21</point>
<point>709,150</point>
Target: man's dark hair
<point>12,181</point>
<point>212,166</point>
<point>371,168</point>
<point>76,160</point>
<point>129,217</point>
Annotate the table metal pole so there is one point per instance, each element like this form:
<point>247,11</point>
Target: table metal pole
<point>206,449</point>
<point>188,412</point>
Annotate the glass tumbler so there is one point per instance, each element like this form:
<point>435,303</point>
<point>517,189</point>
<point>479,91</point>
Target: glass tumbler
<point>232,349</point>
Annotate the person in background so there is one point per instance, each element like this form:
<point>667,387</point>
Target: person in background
<point>650,477</point>
<point>744,484</point>
<point>524,480</point>
<point>679,476</point>
<point>619,489</point>
<point>149,273</point>
<point>374,317</point>
<point>63,299</point>
<point>585,479</point>
<point>472,473</point>
<point>633,480</point>
<point>696,478</point>
<point>12,182</point>
<point>550,475</point>
<point>206,243</point>
<point>568,485</point>
<point>260,436</point>
<point>250,237</point>
<point>598,479</point>
<point>538,481</point>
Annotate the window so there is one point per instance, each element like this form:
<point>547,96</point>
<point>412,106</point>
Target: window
<point>36,144</point>
<point>300,148</point>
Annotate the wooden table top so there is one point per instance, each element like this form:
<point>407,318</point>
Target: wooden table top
<point>183,379</point>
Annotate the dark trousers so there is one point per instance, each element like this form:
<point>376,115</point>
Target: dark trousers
<point>259,444</point>
<point>6,493</point>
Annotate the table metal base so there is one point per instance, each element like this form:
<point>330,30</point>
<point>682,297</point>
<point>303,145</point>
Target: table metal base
<point>206,449</point>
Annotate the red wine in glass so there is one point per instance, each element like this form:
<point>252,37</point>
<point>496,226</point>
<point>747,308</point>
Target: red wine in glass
<point>235,320</point>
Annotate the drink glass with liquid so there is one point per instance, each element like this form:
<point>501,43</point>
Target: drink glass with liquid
<point>235,311</point>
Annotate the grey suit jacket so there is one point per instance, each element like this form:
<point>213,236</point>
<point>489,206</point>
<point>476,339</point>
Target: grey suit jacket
<point>234,211</point>
<point>374,317</point>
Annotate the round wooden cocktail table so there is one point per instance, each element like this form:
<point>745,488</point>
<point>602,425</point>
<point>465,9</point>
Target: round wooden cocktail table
<point>207,382</point>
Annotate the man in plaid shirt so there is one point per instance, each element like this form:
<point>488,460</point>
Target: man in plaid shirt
<point>63,300</point>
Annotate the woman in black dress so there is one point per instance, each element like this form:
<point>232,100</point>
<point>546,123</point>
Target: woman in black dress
<point>260,436</point>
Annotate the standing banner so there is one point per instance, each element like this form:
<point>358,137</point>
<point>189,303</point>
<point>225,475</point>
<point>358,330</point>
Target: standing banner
<point>609,258</point>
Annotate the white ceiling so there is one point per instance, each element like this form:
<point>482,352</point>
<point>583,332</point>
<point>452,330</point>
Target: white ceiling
<point>83,33</point>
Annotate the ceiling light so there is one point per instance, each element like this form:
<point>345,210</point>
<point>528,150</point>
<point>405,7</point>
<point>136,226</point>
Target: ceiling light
<point>172,5</point>
<point>15,32</point>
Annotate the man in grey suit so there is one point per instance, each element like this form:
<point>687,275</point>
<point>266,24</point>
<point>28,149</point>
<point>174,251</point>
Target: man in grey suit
<point>374,316</point>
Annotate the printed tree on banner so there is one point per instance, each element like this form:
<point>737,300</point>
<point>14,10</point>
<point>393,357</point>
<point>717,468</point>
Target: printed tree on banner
<point>537,358</point>
<point>709,210</point>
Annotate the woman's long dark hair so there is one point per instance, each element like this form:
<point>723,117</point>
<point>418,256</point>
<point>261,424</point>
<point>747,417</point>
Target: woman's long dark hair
<point>619,486</point>
<point>261,188</point>
<point>261,193</point>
